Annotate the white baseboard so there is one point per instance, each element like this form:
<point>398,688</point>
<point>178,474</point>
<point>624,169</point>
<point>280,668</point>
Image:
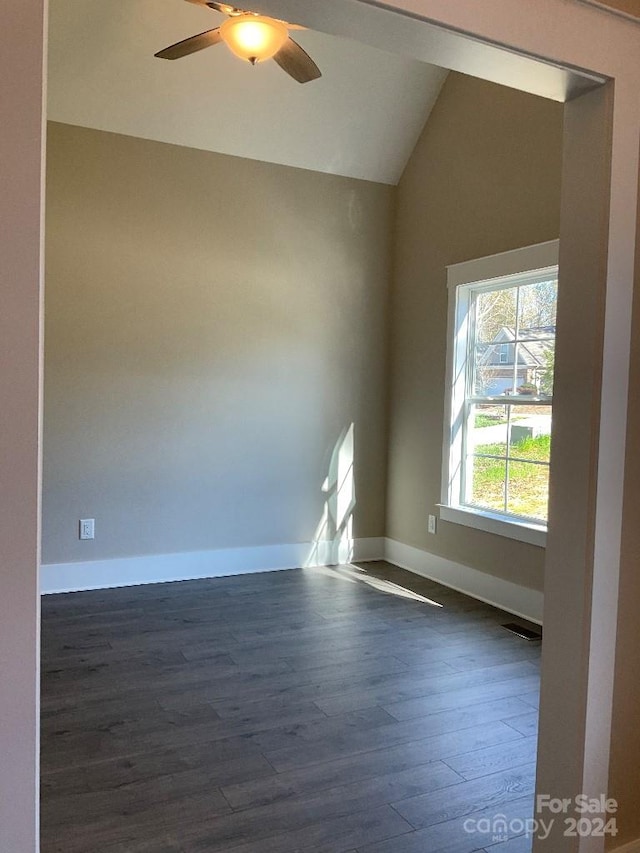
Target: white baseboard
<point>516,599</point>
<point>158,568</point>
<point>631,847</point>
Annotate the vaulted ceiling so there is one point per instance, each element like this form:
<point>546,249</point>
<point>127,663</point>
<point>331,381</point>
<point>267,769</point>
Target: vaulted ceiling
<point>361,119</point>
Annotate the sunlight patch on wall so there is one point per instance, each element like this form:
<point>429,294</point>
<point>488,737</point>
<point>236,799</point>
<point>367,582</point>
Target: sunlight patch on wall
<point>333,538</point>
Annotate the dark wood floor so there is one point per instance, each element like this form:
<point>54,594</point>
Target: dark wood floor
<point>310,711</point>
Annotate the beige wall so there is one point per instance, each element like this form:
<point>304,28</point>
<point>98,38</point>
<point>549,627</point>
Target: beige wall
<point>484,178</point>
<point>212,326</point>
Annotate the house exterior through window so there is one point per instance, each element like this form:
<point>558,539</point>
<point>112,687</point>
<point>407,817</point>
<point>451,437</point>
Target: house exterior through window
<point>501,356</point>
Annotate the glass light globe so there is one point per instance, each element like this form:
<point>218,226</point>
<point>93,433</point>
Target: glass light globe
<point>253,37</point>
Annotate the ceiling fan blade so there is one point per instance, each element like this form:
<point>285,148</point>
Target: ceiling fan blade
<point>297,62</point>
<point>225,8</point>
<point>190,45</point>
<point>232,11</point>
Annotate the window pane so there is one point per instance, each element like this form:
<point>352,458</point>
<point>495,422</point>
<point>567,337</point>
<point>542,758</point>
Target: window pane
<point>495,311</point>
<point>521,384</point>
<point>545,374</point>
<point>487,482</point>
<point>504,394</point>
<point>537,308</point>
<point>536,330</point>
<point>493,369</point>
<point>535,367</point>
<point>530,432</point>
<point>487,430</point>
<point>528,491</point>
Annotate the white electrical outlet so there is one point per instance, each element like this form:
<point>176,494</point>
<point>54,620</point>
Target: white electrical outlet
<point>87,528</point>
<point>432,524</point>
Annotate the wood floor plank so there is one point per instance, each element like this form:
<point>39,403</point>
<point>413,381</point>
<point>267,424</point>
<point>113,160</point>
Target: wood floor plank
<point>484,657</point>
<point>306,816</point>
<point>125,738</point>
<point>329,836</point>
<point>114,772</point>
<point>337,835</point>
<point>366,725</point>
<point>337,682</point>
<point>532,697</point>
<point>482,762</point>
<point>526,724</point>
<point>450,737</point>
<point>385,788</point>
<point>486,792</point>
<point>453,647</point>
<point>129,800</point>
<point>516,687</point>
<point>454,836</point>
<point>408,697</point>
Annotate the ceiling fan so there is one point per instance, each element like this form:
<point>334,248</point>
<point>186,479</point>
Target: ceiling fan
<point>252,37</point>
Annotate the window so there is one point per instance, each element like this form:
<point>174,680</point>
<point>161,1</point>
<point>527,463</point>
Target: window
<point>502,326</point>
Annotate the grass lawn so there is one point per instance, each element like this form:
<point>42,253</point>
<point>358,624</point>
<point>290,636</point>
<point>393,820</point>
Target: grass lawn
<point>528,484</point>
<point>488,420</point>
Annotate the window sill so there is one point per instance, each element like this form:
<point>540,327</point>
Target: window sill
<point>533,534</point>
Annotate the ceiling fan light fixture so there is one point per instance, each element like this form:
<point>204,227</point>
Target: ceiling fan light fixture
<point>254,37</point>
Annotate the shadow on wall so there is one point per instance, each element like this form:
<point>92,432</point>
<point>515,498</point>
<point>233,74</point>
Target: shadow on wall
<point>333,540</point>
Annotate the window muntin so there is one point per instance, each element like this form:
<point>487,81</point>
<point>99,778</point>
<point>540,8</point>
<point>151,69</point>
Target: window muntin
<point>504,358</point>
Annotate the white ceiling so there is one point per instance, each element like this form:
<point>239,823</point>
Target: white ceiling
<point>361,119</point>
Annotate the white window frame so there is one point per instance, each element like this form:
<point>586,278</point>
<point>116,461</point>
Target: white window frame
<point>535,260</point>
